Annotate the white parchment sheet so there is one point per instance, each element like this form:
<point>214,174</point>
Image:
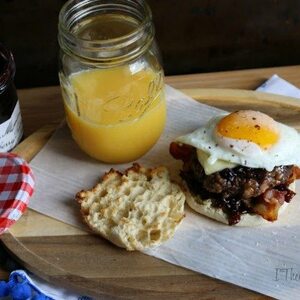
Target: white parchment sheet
<point>265,259</point>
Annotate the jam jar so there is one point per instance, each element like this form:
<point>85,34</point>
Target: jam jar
<point>111,78</point>
<point>11,130</point>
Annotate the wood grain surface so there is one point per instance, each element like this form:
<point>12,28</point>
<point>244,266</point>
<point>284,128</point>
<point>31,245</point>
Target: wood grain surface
<point>63,254</point>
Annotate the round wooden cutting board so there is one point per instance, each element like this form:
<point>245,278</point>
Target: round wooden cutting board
<point>88,264</point>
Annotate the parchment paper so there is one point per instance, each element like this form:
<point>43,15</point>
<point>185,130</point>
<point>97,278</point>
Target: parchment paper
<point>265,259</point>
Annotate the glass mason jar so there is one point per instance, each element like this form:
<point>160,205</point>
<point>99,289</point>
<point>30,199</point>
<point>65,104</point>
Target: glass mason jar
<point>11,129</point>
<point>111,78</point>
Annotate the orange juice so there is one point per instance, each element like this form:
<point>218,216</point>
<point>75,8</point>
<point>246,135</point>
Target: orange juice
<point>117,114</point>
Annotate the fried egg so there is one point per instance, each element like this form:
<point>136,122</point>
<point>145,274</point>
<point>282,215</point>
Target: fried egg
<point>248,138</point>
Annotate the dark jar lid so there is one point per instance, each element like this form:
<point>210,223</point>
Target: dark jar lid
<point>7,68</point>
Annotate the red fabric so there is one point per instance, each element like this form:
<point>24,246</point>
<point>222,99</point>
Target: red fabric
<point>16,187</point>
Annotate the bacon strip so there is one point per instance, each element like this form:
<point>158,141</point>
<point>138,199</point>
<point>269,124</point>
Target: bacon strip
<point>294,175</point>
<point>269,202</point>
<point>296,171</point>
<point>181,151</point>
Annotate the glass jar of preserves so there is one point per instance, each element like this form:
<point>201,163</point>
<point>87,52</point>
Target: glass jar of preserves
<point>11,129</point>
<point>111,78</point>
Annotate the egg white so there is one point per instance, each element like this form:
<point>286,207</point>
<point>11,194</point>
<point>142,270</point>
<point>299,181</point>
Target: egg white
<point>242,152</point>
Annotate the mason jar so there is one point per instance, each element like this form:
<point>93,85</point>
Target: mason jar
<point>11,129</point>
<point>111,78</point>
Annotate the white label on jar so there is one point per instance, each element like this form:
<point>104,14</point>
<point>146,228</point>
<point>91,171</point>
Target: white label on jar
<point>11,131</point>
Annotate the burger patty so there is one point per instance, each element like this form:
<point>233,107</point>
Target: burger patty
<point>238,190</point>
<point>240,181</point>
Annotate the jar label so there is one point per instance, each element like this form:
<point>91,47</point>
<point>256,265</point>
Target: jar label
<point>11,131</point>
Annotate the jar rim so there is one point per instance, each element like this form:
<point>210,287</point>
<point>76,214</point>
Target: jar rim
<point>64,28</point>
<point>8,71</point>
<point>66,21</point>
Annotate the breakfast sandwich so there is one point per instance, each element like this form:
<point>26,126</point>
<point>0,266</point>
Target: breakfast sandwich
<point>240,167</point>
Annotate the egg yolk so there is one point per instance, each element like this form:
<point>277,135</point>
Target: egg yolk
<point>252,126</point>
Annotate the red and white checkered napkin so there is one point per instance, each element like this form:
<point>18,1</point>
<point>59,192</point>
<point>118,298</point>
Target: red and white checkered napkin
<point>16,187</point>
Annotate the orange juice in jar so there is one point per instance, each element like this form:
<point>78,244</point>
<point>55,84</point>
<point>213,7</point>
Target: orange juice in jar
<point>111,78</point>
